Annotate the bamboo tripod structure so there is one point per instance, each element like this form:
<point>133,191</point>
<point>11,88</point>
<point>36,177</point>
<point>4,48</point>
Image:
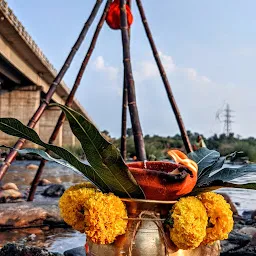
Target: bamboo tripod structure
<point>165,79</point>
<point>70,99</point>
<point>123,146</point>
<point>37,115</point>
<point>129,96</point>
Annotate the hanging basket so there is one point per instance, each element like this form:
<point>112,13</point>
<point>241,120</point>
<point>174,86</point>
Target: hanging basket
<point>146,235</point>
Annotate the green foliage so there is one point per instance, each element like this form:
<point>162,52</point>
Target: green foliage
<point>75,150</point>
<point>107,169</point>
<point>212,174</point>
<point>158,146</point>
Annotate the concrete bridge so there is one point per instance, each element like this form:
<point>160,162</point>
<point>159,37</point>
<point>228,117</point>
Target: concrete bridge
<point>25,76</point>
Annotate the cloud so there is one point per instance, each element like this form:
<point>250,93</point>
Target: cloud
<point>193,75</point>
<point>198,98</point>
<point>111,72</point>
<point>147,70</point>
<point>168,62</point>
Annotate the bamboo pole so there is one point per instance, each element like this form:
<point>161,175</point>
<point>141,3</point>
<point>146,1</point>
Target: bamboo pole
<point>136,127</point>
<point>69,100</point>
<point>123,147</point>
<point>12,155</point>
<point>174,105</point>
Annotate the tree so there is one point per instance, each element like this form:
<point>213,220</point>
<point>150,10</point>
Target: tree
<point>129,132</point>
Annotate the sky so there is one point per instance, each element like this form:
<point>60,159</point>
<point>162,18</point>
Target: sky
<point>208,49</point>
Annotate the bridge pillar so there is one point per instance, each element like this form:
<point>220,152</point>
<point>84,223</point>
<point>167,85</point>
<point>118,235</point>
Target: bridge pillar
<point>47,124</point>
<point>20,103</point>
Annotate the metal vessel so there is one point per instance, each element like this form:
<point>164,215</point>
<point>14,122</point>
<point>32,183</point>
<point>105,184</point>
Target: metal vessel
<point>145,235</point>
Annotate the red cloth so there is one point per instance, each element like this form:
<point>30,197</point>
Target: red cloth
<point>114,17</point>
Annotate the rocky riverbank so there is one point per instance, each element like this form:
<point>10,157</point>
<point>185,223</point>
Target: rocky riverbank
<point>39,219</point>
<point>38,224</point>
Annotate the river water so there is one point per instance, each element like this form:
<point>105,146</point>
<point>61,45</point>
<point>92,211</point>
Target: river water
<point>59,239</point>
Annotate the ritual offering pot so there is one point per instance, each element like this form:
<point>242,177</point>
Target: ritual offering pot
<point>146,235</point>
<point>163,180</point>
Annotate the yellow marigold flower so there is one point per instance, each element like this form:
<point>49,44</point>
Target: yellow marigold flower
<point>105,218</point>
<point>71,204</point>
<point>220,217</point>
<point>189,223</point>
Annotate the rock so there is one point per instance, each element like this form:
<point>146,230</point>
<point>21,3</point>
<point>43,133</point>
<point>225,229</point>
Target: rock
<point>44,182</point>
<point>10,186</point>
<point>9,194</point>
<point>30,214</point>
<point>78,251</point>
<point>253,241</point>
<point>248,250</point>
<point>253,215</point>
<point>250,231</point>
<point>228,200</point>
<point>21,250</point>
<point>238,238</point>
<point>33,167</point>
<point>247,215</point>
<point>54,190</point>
<point>235,241</point>
<point>226,246</point>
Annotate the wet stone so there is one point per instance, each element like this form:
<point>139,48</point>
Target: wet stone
<point>11,194</point>
<point>247,214</point>
<point>21,250</point>
<point>54,190</point>
<point>29,214</point>
<point>10,185</point>
<point>44,182</point>
<point>250,231</point>
<point>32,167</point>
<point>78,251</point>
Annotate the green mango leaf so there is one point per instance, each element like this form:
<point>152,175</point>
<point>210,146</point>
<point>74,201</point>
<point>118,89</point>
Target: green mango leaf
<point>15,128</point>
<point>103,181</point>
<point>228,174</point>
<point>45,156</point>
<point>102,155</point>
<point>204,158</point>
<point>219,184</point>
<point>203,179</point>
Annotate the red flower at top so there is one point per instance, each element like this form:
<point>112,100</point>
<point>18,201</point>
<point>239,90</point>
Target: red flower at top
<point>114,17</point>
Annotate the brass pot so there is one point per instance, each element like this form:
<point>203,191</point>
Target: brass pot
<point>149,239</point>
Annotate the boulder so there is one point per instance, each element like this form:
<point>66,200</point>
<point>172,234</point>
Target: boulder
<point>78,251</point>
<point>44,182</point>
<point>12,249</point>
<point>11,194</point>
<point>235,241</point>
<point>253,215</point>
<point>32,167</point>
<point>54,190</point>
<point>238,246</point>
<point>248,214</point>
<point>30,214</point>
<point>250,231</point>
<point>9,185</point>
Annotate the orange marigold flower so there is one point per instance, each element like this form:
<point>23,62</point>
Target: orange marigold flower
<point>189,223</point>
<point>220,217</point>
<point>71,204</point>
<point>105,218</point>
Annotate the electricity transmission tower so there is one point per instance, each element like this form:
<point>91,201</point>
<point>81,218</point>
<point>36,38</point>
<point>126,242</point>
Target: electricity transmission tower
<point>228,120</point>
<point>225,116</point>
